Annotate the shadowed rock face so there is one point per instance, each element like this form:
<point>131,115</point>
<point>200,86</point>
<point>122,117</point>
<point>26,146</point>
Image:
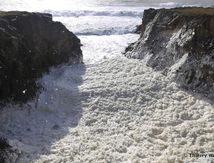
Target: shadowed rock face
<point>7,154</point>
<point>30,43</point>
<point>179,42</point>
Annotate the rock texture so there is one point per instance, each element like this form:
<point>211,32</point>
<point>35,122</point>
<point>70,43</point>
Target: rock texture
<point>7,154</point>
<point>30,43</point>
<point>178,42</point>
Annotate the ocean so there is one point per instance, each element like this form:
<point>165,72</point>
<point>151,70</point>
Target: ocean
<point>109,109</point>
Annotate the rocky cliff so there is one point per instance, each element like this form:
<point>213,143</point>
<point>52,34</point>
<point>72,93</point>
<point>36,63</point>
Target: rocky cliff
<point>30,43</point>
<point>179,42</point>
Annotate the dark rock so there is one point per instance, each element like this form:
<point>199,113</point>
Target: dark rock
<point>138,29</point>
<point>30,43</point>
<point>56,127</point>
<point>7,154</point>
<point>178,42</point>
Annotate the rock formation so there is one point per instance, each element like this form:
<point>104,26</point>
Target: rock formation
<point>7,154</point>
<point>30,43</point>
<point>179,42</point>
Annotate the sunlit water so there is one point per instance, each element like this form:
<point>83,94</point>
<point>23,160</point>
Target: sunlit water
<point>111,109</point>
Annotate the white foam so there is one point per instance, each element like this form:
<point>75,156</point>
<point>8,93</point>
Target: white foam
<point>138,12</point>
<point>100,25</point>
<point>123,112</point>
<point>100,48</point>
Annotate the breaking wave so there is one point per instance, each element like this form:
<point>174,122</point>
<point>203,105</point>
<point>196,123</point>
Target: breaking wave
<point>124,12</point>
<point>100,25</point>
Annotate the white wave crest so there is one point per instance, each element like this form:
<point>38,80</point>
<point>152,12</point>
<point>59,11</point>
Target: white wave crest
<point>67,13</point>
<point>100,25</point>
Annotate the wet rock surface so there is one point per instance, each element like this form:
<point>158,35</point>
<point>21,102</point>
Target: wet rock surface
<point>31,43</point>
<point>179,42</point>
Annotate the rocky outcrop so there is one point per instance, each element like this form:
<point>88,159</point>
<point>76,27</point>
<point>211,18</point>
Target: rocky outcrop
<point>7,154</point>
<point>178,42</point>
<point>30,43</point>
